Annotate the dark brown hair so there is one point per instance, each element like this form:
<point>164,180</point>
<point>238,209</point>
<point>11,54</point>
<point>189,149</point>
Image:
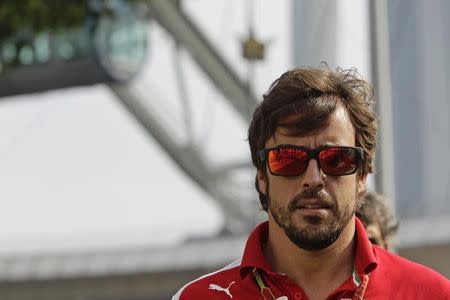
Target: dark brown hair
<point>313,94</point>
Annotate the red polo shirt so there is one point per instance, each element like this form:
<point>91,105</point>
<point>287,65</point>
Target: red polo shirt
<point>389,276</point>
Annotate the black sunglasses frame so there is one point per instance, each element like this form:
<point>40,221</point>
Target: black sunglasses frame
<point>312,154</point>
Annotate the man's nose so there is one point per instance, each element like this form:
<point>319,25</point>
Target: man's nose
<point>313,176</point>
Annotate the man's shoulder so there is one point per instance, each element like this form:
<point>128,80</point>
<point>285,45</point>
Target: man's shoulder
<point>219,280</point>
<point>404,273</point>
<point>396,263</point>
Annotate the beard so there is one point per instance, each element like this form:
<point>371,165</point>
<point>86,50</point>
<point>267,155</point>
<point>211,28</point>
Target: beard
<point>313,232</point>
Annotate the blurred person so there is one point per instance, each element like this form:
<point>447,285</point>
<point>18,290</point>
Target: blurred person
<point>378,219</point>
<point>312,141</point>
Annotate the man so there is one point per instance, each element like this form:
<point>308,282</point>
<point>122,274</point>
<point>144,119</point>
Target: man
<point>378,219</point>
<point>312,140</point>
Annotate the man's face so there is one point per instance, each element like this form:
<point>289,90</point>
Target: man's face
<point>313,208</point>
<point>374,234</point>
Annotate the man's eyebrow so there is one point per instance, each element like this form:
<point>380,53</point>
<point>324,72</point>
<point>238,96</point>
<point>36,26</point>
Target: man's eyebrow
<point>331,144</point>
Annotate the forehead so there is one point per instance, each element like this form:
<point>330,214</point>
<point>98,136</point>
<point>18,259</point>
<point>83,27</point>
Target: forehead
<point>338,130</point>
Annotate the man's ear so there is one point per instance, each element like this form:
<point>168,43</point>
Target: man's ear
<point>262,184</point>
<point>362,184</point>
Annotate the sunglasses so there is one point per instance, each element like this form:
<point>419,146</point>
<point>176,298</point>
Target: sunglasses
<point>291,160</point>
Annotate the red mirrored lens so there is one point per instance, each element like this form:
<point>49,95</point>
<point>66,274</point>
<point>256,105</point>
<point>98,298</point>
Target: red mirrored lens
<point>287,162</point>
<point>338,161</point>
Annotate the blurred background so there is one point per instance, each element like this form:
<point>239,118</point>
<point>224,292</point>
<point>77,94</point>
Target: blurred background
<point>125,170</point>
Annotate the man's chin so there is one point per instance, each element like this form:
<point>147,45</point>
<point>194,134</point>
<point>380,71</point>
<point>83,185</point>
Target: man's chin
<point>312,237</point>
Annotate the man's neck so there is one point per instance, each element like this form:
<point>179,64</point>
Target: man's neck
<point>317,272</point>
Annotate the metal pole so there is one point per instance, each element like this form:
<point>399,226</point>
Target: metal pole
<point>381,76</point>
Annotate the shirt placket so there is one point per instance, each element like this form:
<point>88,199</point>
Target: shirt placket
<point>287,287</point>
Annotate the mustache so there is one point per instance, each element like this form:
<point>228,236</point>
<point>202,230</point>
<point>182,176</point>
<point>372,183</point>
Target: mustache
<point>321,196</point>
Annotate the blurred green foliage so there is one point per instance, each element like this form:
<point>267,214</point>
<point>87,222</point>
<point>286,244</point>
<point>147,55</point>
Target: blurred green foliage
<point>22,20</point>
<point>39,15</point>
<point>51,15</point>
